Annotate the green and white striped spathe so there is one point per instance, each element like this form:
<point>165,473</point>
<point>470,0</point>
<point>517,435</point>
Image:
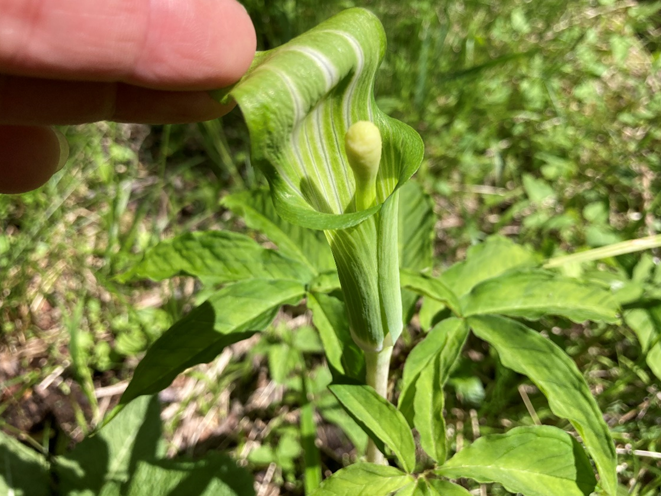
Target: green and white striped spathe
<point>299,100</point>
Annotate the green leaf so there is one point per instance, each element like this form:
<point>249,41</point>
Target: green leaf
<point>526,352</point>
<point>428,406</point>
<point>534,461</point>
<point>23,472</point>
<point>646,323</point>
<point>429,286</point>
<point>384,422</point>
<point>283,361</point>
<point>329,317</point>
<point>409,490</point>
<point>300,99</point>
<point>445,488</point>
<point>234,313</point>
<point>533,294</point>
<point>363,479</point>
<point>432,487</point>
<point>215,475</point>
<point>484,261</point>
<point>113,453</point>
<point>217,255</point>
<point>446,340</point>
<point>296,242</point>
<point>416,228</point>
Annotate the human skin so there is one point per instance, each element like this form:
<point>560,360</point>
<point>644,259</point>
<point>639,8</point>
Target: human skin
<point>76,61</point>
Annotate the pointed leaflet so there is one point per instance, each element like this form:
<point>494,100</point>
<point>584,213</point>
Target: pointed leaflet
<point>646,323</point>
<point>484,261</point>
<point>445,488</point>
<point>214,475</point>
<point>113,453</point>
<point>416,234</point>
<point>416,228</point>
<point>219,255</point>
<point>232,314</point>
<point>296,242</point>
<point>534,461</point>
<point>362,479</point>
<point>432,287</point>
<point>527,352</point>
<point>428,406</point>
<point>533,294</point>
<point>380,417</point>
<point>23,472</point>
<point>445,340</point>
<point>432,487</point>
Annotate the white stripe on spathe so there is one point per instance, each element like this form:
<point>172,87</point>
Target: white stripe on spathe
<point>328,69</point>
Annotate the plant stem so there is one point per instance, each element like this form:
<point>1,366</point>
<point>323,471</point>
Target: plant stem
<point>377,366</point>
<point>631,246</point>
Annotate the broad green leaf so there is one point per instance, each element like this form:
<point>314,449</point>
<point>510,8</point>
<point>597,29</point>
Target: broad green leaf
<point>484,261</point>
<point>534,461</point>
<point>234,313</point>
<point>113,453</point>
<point>362,479</point>
<point>216,255</point>
<point>428,406</point>
<point>445,488</point>
<point>409,490</point>
<point>432,487</point>
<point>446,340</point>
<point>329,317</point>
<point>23,472</point>
<point>527,352</point>
<point>215,475</point>
<point>533,294</point>
<point>416,228</point>
<point>431,287</point>
<point>430,313</point>
<point>380,417</point>
<point>646,323</point>
<point>305,245</point>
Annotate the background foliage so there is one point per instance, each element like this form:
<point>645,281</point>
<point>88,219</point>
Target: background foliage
<point>541,123</point>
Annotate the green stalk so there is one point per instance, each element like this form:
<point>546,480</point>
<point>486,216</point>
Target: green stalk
<point>613,250</point>
<point>377,366</point>
<point>311,458</point>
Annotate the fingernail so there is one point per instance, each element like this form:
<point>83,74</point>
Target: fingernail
<point>64,149</point>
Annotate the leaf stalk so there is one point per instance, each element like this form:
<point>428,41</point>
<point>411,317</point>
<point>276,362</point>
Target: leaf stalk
<point>377,366</point>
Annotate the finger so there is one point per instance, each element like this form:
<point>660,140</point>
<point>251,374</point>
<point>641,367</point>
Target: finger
<point>30,156</point>
<point>30,101</point>
<point>192,44</point>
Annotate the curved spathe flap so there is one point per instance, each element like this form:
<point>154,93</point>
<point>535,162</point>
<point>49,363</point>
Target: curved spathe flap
<point>299,100</point>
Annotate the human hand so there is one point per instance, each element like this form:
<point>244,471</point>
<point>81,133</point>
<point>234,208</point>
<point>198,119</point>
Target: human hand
<point>76,61</point>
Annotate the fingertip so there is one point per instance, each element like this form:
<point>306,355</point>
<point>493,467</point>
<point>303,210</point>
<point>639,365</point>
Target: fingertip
<point>30,157</point>
<point>198,45</point>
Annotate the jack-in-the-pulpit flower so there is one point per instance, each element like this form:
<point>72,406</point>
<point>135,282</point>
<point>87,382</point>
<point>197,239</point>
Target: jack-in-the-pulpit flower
<point>314,128</point>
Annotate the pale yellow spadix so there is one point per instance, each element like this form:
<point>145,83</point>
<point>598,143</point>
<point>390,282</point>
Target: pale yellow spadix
<point>362,144</point>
